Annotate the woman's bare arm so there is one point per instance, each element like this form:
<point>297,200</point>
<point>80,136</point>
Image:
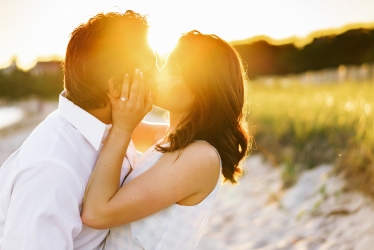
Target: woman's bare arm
<point>103,183</point>
<point>193,175</point>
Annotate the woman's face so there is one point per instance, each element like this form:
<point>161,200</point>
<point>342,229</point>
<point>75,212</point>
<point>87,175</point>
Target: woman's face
<point>171,93</point>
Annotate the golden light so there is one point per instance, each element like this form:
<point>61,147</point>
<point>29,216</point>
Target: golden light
<point>42,33</point>
<point>161,41</point>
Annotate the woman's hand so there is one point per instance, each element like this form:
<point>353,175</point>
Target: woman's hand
<point>133,104</point>
<point>127,112</point>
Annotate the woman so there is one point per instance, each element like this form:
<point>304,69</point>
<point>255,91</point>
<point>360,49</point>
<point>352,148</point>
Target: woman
<point>165,201</point>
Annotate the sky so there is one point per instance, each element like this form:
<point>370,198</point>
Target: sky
<point>32,30</point>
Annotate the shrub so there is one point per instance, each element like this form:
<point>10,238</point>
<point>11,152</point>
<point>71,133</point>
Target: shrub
<point>303,126</point>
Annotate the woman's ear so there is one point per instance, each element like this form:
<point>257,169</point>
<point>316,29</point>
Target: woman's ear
<point>114,87</point>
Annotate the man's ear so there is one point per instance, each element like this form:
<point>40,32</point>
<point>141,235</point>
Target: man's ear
<point>114,87</point>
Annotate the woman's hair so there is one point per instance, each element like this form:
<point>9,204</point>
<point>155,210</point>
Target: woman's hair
<point>214,73</point>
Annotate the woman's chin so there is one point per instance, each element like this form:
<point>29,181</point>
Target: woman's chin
<point>159,101</point>
<point>159,106</point>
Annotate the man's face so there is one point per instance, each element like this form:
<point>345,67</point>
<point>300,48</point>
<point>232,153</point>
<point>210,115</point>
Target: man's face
<point>147,65</point>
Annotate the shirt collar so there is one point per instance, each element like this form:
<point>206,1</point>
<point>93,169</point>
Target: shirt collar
<point>89,126</point>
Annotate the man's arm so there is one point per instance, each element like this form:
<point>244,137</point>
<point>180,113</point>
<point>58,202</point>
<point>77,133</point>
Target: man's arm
<point>147,134</point>
<point>44,209</point>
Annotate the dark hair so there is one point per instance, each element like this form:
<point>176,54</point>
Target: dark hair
<point>104,47</point>
<point>214,72</point>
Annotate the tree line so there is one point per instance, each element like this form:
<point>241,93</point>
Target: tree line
<point>354,47</point>
<point>19,84</point>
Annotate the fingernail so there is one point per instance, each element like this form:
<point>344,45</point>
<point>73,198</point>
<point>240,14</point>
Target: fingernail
<point>127,76</point>
<point>141,73</point>
<point>136,71</point>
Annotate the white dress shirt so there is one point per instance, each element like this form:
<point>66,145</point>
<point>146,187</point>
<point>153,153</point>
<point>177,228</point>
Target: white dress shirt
<point>42,184</point>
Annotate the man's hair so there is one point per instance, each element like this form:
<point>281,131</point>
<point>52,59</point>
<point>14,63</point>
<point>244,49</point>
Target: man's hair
<point>104,47</point>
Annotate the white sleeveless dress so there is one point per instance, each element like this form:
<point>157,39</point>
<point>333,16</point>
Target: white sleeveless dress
<point>176,227</point>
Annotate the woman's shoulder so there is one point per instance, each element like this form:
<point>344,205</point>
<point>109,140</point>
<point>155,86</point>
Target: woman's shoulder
<point>203,152</point>
<point>198,163</point>
<point>206,148</point>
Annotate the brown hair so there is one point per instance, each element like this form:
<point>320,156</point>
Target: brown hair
<point>214,72</point>
<point>106,46</point>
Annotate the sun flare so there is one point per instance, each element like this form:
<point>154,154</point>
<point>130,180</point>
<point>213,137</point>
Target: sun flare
<point>162,42</point>
<point>42,34</point>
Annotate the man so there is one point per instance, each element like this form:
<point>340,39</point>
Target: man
<point>42,184</point>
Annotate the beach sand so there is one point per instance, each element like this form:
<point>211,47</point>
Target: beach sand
<point>315,214</point>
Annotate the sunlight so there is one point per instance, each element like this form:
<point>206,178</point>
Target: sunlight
<point>39,22</point>
<point>162,41</point>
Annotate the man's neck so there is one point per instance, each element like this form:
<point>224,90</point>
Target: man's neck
<point>103,114</point>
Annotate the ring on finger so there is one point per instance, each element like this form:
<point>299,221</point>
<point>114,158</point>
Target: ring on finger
<point>124,98</point>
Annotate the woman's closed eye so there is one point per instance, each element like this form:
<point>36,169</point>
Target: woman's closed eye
<point>173,70</point>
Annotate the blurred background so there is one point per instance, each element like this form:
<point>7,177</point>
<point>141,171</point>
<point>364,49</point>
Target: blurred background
<point>310,64</point>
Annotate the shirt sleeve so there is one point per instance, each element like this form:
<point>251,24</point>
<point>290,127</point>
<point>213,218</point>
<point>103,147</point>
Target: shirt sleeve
<point>44,210</point>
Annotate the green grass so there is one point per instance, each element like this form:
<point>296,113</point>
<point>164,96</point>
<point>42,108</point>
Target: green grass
<point>302,126</point>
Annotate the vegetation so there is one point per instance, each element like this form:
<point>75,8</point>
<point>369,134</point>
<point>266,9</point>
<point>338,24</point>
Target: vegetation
<point>353,47</point>
<point>302,126</point>
<point>19,84</point>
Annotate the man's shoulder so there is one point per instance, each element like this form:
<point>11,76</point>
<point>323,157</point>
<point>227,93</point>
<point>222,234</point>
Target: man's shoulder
<point>45,134</point>
<point>56,141</point>
<point>53,138</point>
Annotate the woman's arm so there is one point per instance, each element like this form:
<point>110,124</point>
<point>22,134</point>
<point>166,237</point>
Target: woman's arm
<point>186,180</point>
<point>103,183</point>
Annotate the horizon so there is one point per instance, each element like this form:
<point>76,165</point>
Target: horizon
<point>297,41</point>
<point>34,31</point>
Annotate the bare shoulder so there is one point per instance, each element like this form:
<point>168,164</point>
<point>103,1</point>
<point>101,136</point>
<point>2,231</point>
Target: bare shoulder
<point>203,163</point>
<point>206,151</point>
<point>193,171</point>
<point>200,155</point>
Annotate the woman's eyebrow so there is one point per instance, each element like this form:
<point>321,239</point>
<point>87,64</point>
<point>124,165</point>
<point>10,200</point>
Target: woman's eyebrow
<point>174,66</point>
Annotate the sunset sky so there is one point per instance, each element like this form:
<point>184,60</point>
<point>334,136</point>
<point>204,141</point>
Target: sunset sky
<point>39,29</point>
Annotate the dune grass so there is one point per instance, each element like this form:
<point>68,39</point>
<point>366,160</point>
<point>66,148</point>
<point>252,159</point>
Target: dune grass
<point>301,126</point>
